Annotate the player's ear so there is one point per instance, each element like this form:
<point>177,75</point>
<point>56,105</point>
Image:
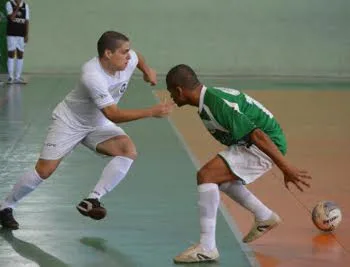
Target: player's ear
<point>108,54</point>
<point>178,90</point>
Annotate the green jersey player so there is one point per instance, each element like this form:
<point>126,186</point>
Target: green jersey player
<point>254,140</point>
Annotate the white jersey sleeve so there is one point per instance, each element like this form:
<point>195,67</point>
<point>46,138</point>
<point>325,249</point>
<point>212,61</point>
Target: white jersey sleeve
<point>9,9</point>
<point>97,88</point>
<point>27,12</point>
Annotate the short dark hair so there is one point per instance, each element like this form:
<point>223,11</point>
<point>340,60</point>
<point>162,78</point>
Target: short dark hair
<point>110,40</point>
<point>183,76</point>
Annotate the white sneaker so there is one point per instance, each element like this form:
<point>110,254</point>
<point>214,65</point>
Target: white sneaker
<point>197,253</point>
<point>20,80</point>
<point>262,227</point>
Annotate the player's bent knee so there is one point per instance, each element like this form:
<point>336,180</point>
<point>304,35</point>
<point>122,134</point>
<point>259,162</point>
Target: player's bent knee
<point>118,146</point>
<point>132,155</point>
<point>203,176</point>
<point>127,151</point>
<point>45,170</point>
<point>44,173</point>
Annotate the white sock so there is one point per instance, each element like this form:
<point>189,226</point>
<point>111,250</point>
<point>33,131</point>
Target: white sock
<point>111,176</point>
<point>10,66</point>
<point>26,184</point>
<point>209,200</point>
<point>240,193</point>
<point>19,67</point>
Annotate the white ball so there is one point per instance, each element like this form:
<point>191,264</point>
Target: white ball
<point>326,215</point>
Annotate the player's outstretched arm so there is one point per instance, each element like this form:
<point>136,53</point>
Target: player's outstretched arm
<point>291,174</point>
<point>149,74</point>
<point>117,115</point>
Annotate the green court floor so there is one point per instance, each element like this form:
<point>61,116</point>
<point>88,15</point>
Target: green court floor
<point>152,214</point>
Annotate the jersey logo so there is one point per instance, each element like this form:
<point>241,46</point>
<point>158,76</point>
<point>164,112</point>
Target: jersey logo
<point>123,88</point>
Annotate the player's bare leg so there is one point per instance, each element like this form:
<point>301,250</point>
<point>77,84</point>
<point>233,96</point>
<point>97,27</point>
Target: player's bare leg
<point>212,175</point>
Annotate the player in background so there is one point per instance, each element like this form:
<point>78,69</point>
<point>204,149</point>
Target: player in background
<point>17,37</point>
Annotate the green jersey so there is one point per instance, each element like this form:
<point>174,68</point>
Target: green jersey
<point>230,116</point>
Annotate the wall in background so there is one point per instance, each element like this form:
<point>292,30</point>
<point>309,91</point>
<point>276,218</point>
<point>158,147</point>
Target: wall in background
<point>226,37</point>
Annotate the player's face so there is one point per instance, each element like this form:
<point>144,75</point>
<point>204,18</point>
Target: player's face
<point>177,96</point>
<point>120,58</point>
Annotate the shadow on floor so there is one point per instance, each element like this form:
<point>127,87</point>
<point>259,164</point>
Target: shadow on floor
<point>30,251</point>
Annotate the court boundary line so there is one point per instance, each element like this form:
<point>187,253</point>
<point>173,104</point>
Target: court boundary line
<point>249,253</point>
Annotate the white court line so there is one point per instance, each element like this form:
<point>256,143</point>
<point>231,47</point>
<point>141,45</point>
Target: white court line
<point>232,225</point>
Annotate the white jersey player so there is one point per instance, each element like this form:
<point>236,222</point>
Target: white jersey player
<point>88,115</point>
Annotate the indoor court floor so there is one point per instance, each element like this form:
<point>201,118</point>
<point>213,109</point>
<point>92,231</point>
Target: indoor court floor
<point>152,214</point>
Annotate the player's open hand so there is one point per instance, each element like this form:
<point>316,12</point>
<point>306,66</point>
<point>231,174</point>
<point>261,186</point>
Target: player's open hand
<point>162,110</point>
<point>150,76</point>
<point>297,177</point>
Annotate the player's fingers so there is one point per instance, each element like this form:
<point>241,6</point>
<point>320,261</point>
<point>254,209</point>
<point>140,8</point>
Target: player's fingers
<point>298,186</point>
<point>305,183</point>
<point>168,109</point>
<point>286,184</point>
<point>306,176</point>
<point>167,101</point>
<point>163,99</point>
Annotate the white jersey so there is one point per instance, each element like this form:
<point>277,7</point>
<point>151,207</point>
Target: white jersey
<point>95,90</point>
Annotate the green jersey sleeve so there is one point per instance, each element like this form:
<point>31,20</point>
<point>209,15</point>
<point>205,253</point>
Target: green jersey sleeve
<point>228,115</point>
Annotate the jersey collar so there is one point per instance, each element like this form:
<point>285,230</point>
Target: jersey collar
<point>201,98</point>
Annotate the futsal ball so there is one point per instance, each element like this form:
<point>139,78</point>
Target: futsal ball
<point>326,215</point>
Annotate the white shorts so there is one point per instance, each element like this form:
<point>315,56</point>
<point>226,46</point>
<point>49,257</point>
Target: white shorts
<point>247,163</point>
<point>62,138</point>
<point>15,42</point>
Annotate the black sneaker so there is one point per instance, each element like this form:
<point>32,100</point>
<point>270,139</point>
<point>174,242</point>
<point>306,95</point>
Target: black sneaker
<point>7,220</point>
<point>92,208</point>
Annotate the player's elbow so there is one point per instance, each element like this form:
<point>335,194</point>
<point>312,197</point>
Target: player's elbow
<point>112,113</point>
<point>116,118</point>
